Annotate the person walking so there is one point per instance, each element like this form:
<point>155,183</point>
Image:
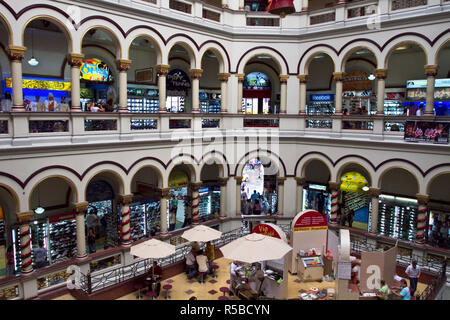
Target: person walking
<point>413,272</point>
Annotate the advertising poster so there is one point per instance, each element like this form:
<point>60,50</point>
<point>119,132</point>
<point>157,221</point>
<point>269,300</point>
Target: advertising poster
<point>422,131</point>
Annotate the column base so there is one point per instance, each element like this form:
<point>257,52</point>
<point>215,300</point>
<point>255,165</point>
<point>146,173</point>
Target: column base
<point>338,113</point>
<point>301,113</point>
<point>83,257</point>
<point>283,112</point>
<point>76,109</point>
<point>224,6</point>
<point>224,111</point>
<point>18,109</point>
<point>126,244</point>
<point>304,9</point>
<point>222,218</point>
<point>164,235</point>
<point>162,111</point>
<point>429,114</point>
<point>123,110</point>
<point>27,273</point>
<point>380,113</point>
<point>195,111</point>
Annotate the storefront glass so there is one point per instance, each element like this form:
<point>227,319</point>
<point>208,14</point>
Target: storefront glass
<point>416,93</point>
<point>397,217</point>
<point>438,229</point>
<point>316,197</point>
<point>257,94</point>
<point>355,200</point>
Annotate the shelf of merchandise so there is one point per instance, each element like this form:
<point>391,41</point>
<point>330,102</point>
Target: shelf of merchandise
<point>138,222</point>
<point>209,102</point>
<point>397,221</point>
<point>63,240</point>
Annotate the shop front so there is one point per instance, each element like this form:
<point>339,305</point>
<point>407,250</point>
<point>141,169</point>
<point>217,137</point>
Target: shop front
<point>178,85</point>
<point>177,211</point>
<point>416,93</point>
<point>142,99</point>
<point>355,200</point>
<point>209,202</point>
<point>317,197</point>
<point>144,217</point>
<point>257,94</point>
<point>438,228</point>
<point>358,96</point>
<point>320,104</point>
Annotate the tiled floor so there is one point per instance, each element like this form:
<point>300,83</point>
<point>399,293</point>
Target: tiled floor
<point>182,289</point>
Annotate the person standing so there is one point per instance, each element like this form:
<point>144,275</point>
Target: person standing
<point>155,274</point>
<point>254,196</point>
<point>63,107</point>
<point>257,207</point>
<point>191,264</point>
<point>203,266</point>
<point>210,251</point>
<point>50,104</point>
<point>404,291</point>
<point>172,218</point>
<point>350,216</point>
<point>6,104</point>
<point>383,292</point>
<point>91,241</point>
<point>9,262</point>
<point>40,255</point>
<point>413,272</point>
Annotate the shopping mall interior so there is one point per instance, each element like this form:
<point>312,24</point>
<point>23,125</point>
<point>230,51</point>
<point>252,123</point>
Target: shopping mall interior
<point>323,124</point>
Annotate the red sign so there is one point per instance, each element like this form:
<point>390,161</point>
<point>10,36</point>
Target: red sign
<point>266,230</point>
<point>62,217</point>
<point>311,220</point>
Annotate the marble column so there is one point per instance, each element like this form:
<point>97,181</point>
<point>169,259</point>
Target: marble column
<point>300,183</point>
<point>195,201</point>
<point>223,196</point>
<point>125,230</point>
<point>281,181</point>
<point>431,72</point>
<point>16,55</point>
<point>123,66</point>
<point>223,78</point>
<point>240,77</point>
<point>304,5</point>
<point>75,60</point>
<point>195,74</point>
<point>162,71</point>
<point>241,4</point>
<point>24,220</point>
<point>303,78</point>
<point>224,4</point>
<point>381,75</point>
<point>334,187</point>
<point>163,209</point>
<point>338,77</point>
<point>80,209</point>
<point>421,217</point>
<point>283,93</point>
<point>238,195</point>
<point>374,193</point>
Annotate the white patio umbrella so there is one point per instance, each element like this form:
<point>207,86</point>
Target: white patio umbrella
<point>152,249</point>
<point>201,233</point>
<point>255,247</point>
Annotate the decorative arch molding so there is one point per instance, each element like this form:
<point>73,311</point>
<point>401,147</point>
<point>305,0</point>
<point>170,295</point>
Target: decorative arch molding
<point>263,50</point>
<point>213,44</point>
<point>437,47</point>
<point>6,22</point>
<point>305,159</point>
<point>13,189</point>
<point>344,54</point>
<point>304,66</point>
<point>394,42</point>
<point>434,173</point>
<point>221,159</point>
<point>302,62</point>
<point>391,165</point>
<point>153,36</point>
<point>122,184</point>
<point>110,27</point>
<point>148,162</point>
<point>187,159</point>
<point>261,153</point>
<point>360,161</point>
<point>37,180</point>
<point>189,45</point>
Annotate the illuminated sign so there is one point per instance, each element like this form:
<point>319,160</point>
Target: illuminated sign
<point>353,182</point>
<point>438,83</point>
<point>177,79</point>
<point>41,84</point>
<point>321,97</point>
<point>256,81</point>
<point>95,70</point>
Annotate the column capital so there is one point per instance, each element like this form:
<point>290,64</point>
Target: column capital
<point>375,192</point>
<point>338,76</point>
<point>240,76</point>
<point>422,198</point>
<point>16,53</point>
<point>222,181</point>
<point>165,192</point>
<point>300,181</point>
<point>431,70</point>
<point>303,78</point>
<point>238,179</point>
<point>75,59</point>
<point>123,65</point>
<point>162,69</point>
<point>223,76</point>
<point>284,78</point>
<point>80,207</point>
<point>24,217</point>
<point>281,180</point>
<point>334,185</point>
<point>126,198</point>
<point>196,73</point>
<point>381,73</point>
<point>195,185</point>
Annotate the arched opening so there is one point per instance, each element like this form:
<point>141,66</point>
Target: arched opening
<point>210,93</point>
<point>179,213</point>
<point>145,218</point>
<point>316,194</point>
<point>209,193</point>
<point>259,187</point>
<point>355,199</point>
<point>320,92</point>
<point>99,85</point>
<point>439,212</point>
<point>397,216</point>
<point>442,82</point>
<point>8,210</point>
<point>143,91</point>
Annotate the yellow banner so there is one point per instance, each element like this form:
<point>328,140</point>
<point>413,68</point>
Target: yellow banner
<point>42,84</point>
<point>300,229</point>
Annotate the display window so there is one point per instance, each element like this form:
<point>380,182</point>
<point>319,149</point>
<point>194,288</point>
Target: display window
<point>397,217</point>
<point>355,201</point>
<point>178,215</point>
<point>320,104</point>
<point>143,99</point>
<point>416,93</point>
<point>209,202</point>
<point>175,104</point>
<point>394,103</point>
<point>210,101</point>
<point>438,229</point>
<point>316,197</point>
<point>257,94</point>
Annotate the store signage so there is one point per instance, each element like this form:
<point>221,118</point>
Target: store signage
<point>353,182</point>
<point>438,83</point>
<point>266,230</point>
<point>177,79</point>
<point>317,187</point>
<point>321,97</point>
<point>310,220</point>
<point>41,84</point>
<point>178,179</point>
<point>356,80</point>
<point>256,81</point>
<point>95,70</point>
<point>394,95</point>
<point>62,217</point>
<point>422,131</point>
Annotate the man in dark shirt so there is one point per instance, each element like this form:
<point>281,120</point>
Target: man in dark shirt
<point>155,275</point>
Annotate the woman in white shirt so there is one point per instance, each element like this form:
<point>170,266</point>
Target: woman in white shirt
<point>202,262</point>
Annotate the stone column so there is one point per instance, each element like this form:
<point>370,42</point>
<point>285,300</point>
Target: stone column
<point>224,4</point>
<point>196,74</point>
<point>223,78</point>
<point>283,93</point>
<point>241,4</point>
<point>163,208</point>
<point>123,66</point>
<point>240,77</point>
<point>238,195</point>
<point>431,72</point>
<point>421,217</point>
<point>25,242</point>
<point>342,2</point>
<point>381,75</point>
<point>281,195</point>
<point>75,60</point>
<point>80,209</point>
<point>334,187</point>
<point>304,5</point>
<point>223,192</point>
<point>338,77</point>
<point>195,201</point>
<point>374,193</point>
<point>125,230</point>
<point>16,55</point>
<point>162,71</point>
<point>300,183</point>
<point>303,78</point>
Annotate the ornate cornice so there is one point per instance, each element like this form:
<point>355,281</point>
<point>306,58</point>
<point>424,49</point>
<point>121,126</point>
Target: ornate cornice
<point>81,207</point>
<point>223,76</point>
<point>284,78</point>
<point>25,217</point>
<point>300,181</point>
<point>127,198</point>
<point>241,77</point>
<point>123,65</point>
<point>338,76</point>
<point>162,69</point>
<point>303,78</point>
<point>196,73</point>
<point>375,192</point>
<point>195,186</point>
<point>16,53</point>
<point>334,186</point>
<point>165,192</point>
<point>422,198</point>
<point>431,70</point>
<point>381,73</point>
<point>75,59</point>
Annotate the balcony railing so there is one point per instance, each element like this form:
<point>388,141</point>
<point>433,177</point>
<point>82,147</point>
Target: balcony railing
<point>180,6</point>
<point>405,4</point>
<point>322,18</point>
<point>263,22</point>
<point>211,15</point>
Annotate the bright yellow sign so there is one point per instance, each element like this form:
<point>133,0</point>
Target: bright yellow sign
<point>42,84</point>
<point>353,182</point>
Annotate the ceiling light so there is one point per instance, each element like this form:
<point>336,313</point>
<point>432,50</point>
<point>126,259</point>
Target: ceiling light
<point>371,77</point>
<point>39,210</point>
<point>33,62</point>
<point>365,188</point>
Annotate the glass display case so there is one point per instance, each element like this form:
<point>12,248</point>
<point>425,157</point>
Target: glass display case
<point>210,102</point>
<point>397,217</point>
<point>315,261</point>
<point>63,240</point>
<point>143,100</point>
<point>310,268</point>
<point>320,104</point>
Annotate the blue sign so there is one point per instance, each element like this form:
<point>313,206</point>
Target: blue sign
<point>321,97</point>
<point>256,81</point>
